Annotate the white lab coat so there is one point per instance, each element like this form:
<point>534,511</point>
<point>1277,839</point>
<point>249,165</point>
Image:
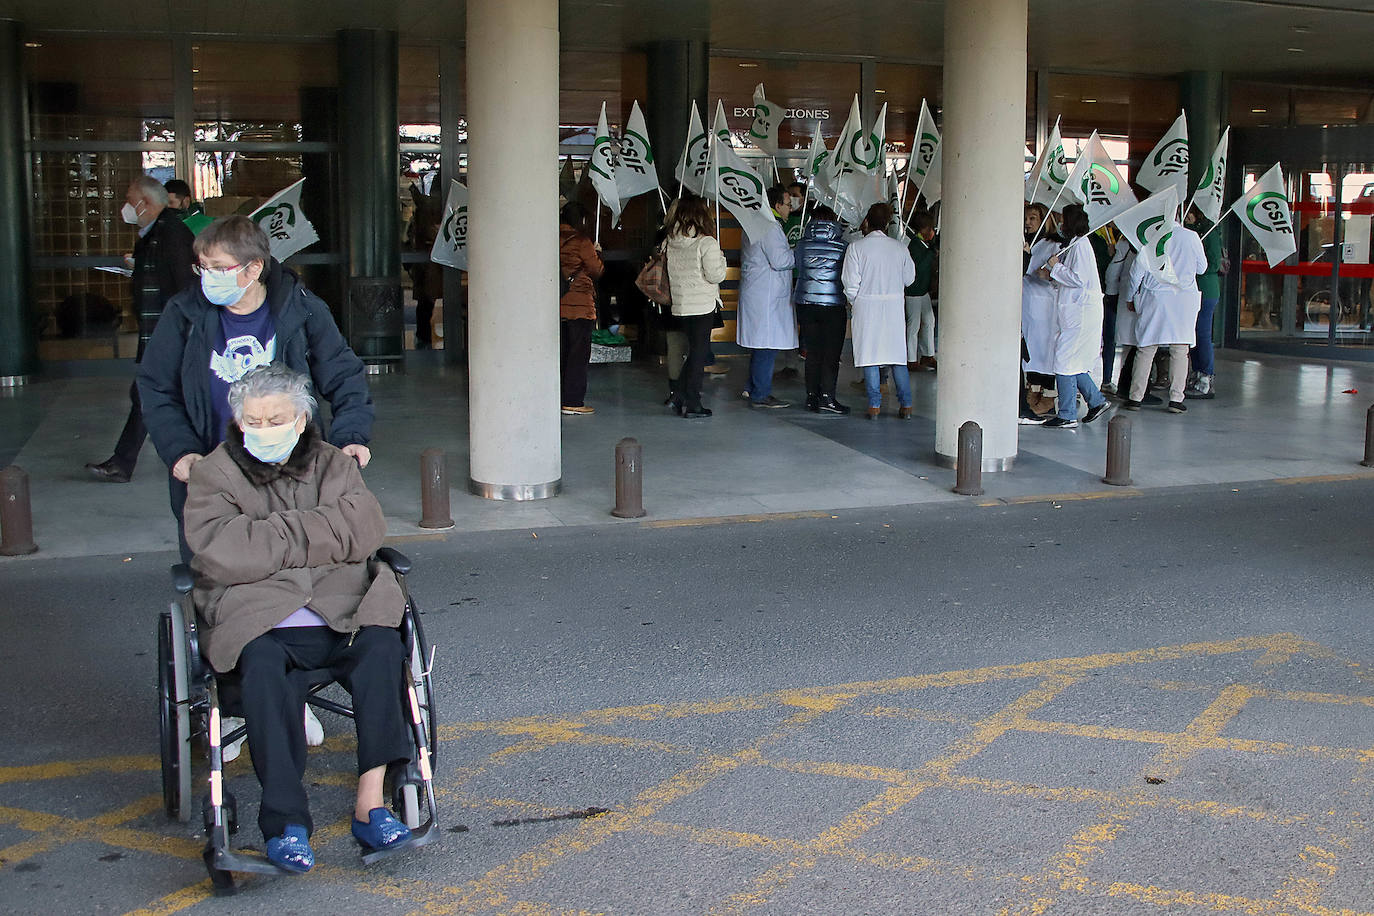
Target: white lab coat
<point>1077,310</point>
<point>1167,314</point>
<point>766,319</point>
<point>1037,310</point>
<point>877,270</point>
<point>1125,317</point>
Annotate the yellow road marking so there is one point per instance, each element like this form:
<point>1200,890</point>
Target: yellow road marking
<point>69,768</point>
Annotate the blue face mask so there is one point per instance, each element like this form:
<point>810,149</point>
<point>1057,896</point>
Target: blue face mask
<point>222,289</point>
<point>271,444</point>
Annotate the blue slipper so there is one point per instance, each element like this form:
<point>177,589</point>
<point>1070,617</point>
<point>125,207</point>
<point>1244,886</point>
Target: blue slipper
<point>291,850</point>
<point>382,831</point>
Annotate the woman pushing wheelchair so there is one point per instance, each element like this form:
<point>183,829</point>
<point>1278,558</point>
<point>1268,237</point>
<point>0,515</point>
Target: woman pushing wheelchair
<point>282,528</point>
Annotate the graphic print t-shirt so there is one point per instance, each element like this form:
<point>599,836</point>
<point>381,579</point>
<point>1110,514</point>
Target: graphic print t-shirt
<point>245,342</point>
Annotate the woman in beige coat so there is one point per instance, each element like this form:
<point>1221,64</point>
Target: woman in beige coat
<point>282,527</point>
<point>696,266</point>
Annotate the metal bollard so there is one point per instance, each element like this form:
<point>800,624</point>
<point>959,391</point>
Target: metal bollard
<point>16,515</point>
<point>629,479</point>
<point>434,504</point>
<point>1369,438</point>
<point>968,468</point>
<point>1118,452</point>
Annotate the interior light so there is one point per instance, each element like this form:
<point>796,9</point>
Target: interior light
<point>1296,50</point>
<point>748,64</point>
<point>880,90</point>
<point>1089,101</point>
<point>33,44</point>
<point>1259,110</point>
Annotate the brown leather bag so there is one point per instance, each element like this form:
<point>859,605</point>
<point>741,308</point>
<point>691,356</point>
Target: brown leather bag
<point>653,279</point>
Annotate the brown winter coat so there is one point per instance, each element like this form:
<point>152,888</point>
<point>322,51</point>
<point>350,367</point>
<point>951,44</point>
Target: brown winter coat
<point>269,539</point>
<point>578,259</point>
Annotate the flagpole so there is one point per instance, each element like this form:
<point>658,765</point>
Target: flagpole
<point>598,220</point>
<point>682,162</point>
<point>1216,224</point>
<point>1048,212</point>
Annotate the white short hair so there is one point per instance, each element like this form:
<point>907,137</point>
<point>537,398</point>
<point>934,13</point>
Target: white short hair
<point>267,381</point>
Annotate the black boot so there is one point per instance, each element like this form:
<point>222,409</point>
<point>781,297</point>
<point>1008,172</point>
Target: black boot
<point>828,404</point>
<point>813,403</point>
<point>674,398</point>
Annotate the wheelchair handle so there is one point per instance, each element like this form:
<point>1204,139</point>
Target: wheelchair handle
<point>392,557</point>
<point>182,579</point>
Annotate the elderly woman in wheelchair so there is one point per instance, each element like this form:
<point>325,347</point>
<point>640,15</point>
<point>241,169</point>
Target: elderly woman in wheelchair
<point>283,528</point>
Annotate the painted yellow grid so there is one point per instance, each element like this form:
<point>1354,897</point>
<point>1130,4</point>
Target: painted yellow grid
<point>1066,877</point>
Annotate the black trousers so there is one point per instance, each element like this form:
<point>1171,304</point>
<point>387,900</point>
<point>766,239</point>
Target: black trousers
<point>131,438</point>
<point>368,665</point>
<point>424,321</point>
<point>177,491</point>
<point>575,353</point>
<point>822,326</point>
<point>698,330</point>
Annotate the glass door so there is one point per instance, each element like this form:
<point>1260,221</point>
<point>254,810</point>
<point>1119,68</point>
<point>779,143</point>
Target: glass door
<point>1320,296</point>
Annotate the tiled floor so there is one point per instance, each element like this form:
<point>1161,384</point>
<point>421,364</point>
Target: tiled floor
<point>1273,418</point>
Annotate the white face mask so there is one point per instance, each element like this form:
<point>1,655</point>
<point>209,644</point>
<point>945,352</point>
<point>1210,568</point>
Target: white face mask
<point>271,444</point>
<point>796,202</point>
<point>129,213</point>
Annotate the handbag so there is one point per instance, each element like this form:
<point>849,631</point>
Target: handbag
<point>653,279</point>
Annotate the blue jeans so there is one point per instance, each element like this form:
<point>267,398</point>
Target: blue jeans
<point>761,373</point>
<point>1202,350</point>
<point>1069,386</point>
<point>900,377</point>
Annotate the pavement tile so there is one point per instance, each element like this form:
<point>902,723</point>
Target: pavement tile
<point>1106,700</point>
<point>851,736</point>
<point>1304,724</point>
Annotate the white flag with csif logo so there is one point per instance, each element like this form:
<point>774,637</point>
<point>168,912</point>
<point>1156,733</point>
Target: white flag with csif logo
<point>741,191</point>
<point>695,162</point>
<point>1207,197</point>
<point>1098,186</point>
<point>1264,211</point>
<point>1047,182</point>
<point>604,164</point>
<point>1167,163</point>
<point>288,231</point>
<point>1148,226</point>
<point>635,173</point>
<point>767,116</point>
<point>817,168</point>
<point>451,243</point>
<point>926,161</point>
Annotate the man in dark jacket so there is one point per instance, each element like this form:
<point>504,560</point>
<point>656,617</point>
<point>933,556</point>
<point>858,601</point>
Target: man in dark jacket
<point>247,311</point>
<point>162,268</point>
<point>920,307</point>
<point>821,311</point>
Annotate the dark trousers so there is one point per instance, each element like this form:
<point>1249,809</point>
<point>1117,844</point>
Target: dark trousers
<point>698,331</point>
<point>1108,337</point>
<point>822,327</point>
<point>575,353</point>
<point>177,490</point>
<point>424,321</point>
<point>131,439</point>
<point>368,665</point>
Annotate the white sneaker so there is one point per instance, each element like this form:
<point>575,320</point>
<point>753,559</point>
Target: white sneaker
<point>230,751</point>
<point>314,731</point>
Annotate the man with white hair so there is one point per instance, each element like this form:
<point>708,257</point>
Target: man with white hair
<point>162,262</point>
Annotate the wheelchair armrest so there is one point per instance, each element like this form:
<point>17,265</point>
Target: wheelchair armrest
<point>182,579</point>
<point>392,557</point>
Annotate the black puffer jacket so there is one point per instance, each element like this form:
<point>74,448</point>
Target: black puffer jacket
<point>819,257</point>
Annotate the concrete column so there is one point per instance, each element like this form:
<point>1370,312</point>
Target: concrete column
<point>451,105</point>
<point>980,245</point>
<point>1201,95</point>
<point>369,160</point>
<point>677,77</point>
<point>513,386</point>
<point>18,336</point>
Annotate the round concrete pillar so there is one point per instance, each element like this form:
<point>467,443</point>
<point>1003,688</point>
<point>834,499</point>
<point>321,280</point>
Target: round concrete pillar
<point>980,227</point>
<point>513,389</point>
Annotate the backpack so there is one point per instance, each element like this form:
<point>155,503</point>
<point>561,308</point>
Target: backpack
<point>653,279</point>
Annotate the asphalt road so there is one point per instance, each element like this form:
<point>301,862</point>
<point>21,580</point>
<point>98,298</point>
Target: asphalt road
<point>1157,704</point>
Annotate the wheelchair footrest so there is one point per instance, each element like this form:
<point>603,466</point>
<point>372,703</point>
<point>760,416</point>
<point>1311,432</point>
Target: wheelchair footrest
<point>421,836</point>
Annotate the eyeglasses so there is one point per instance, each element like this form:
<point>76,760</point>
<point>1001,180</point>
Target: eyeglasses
<point>222,272</point>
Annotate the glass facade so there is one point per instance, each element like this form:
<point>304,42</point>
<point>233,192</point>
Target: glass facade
<point>258,116</point>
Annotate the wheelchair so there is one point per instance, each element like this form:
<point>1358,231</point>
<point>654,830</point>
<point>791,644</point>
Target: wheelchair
<point>189,695</point>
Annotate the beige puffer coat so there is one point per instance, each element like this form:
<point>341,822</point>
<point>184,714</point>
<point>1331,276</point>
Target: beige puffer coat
<point>270,539</point>
<point>696,266</point>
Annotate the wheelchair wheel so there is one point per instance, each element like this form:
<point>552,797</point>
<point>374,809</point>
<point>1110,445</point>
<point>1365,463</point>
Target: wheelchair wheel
<point>410,805</point>
<point>422,678</point>
<point>174,721</point>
